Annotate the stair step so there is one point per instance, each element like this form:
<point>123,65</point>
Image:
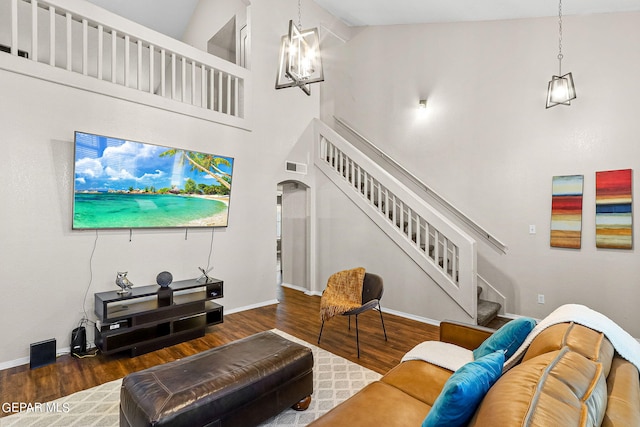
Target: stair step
<point>487,311</point>
<point>498,322</point>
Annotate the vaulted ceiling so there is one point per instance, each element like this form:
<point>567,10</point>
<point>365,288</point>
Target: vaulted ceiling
<point>171,17</point>
<point>389,12</point>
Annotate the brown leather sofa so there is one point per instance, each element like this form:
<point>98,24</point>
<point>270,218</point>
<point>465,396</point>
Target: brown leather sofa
<point>570,375</point>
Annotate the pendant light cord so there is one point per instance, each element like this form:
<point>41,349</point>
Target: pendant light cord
<point>560,56</point>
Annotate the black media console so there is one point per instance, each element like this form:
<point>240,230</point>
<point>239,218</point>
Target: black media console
<point>150,317</point>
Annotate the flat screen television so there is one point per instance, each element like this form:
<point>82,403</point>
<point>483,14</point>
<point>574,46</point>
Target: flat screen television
<point>126,184</point>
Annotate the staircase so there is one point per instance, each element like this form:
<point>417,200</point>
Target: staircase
<point>440,248</point>
<point>443,250</point>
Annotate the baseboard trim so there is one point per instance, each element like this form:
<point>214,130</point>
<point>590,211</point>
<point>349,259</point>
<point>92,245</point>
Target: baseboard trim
<point>25,360</point>
<point>301,289</point>
<point>412,317</point>
<point>250,307</point>
<point>516,316</point>
<point>14,363</point>
<point>294,287</point>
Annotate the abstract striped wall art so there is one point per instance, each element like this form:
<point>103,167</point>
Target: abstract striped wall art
<point>566,211</point>
<point>613,209</point>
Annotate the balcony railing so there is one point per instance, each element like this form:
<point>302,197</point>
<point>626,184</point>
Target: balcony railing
<point>109,54</point>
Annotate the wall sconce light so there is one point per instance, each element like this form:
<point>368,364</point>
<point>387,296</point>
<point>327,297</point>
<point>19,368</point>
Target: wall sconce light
<point>561,89</point>
<point>422,104</point>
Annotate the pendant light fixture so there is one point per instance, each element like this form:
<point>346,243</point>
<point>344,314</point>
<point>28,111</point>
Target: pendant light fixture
<point>300,61</point>
<point>561,89</point>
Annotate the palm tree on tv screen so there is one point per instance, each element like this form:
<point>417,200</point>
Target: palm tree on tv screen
<point>203,162</point>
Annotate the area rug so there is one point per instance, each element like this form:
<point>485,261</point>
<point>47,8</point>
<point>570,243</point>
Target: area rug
<point>334,380</point>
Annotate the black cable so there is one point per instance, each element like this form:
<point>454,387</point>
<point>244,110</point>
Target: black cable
<point>84,322</point>
<point>210,250</point>
<point>84,301</point>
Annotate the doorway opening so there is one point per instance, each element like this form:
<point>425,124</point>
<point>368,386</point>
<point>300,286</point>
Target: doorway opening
<point>292,235</point>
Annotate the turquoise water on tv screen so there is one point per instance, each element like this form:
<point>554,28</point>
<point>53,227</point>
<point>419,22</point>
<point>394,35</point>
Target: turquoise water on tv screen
<point>119,210</point>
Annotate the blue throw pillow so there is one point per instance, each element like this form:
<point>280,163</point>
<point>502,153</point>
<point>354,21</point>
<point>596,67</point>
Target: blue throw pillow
<point>509,338</point>
<point>463,392</point>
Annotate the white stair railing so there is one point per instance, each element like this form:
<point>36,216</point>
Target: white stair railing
<point>463,219</point>
<point>444,251</point>
<point>81,38</point>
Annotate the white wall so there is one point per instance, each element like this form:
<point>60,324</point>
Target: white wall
<point>210,16</point>
<point>487,143</point>
<point>45,265</point>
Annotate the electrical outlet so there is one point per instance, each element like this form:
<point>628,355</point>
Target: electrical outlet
<point>532,229</point>
<point>540,298</point>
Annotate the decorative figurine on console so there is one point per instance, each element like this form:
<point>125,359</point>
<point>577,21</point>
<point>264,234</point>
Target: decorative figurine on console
<point>204,277</point>
<point>123,282</point>
<point>164,279</point>
<point>165,293</point>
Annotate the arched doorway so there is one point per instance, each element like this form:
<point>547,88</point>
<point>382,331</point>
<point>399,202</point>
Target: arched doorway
<point>293,236</point>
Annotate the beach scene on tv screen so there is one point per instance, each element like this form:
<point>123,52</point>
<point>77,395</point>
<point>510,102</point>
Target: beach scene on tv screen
<point>127,184</point>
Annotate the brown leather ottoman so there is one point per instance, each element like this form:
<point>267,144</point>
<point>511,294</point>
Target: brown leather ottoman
<point>239,384</point>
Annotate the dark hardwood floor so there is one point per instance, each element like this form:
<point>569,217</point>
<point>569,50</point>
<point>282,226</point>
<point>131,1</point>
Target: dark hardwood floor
<point>297,314</point>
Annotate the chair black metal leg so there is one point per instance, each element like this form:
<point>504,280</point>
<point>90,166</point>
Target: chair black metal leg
<point>382,320</point>
<point>320,335</point>
<point>357,336</point>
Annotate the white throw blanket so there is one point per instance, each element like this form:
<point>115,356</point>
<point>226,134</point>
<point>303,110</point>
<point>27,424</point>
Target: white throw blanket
<point>445,355</point>
<point>627,346</point>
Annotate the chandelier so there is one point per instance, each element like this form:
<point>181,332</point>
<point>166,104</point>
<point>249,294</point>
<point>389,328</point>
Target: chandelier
<point>300,61</point>
<point>561,89</point>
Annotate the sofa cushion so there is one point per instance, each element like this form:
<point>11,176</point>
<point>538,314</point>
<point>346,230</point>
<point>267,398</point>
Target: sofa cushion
<point>464,390</point>
<point>509,338</point>
<point>623,389</point>
<point>589,343</point>
<point>378,404</point>
<point>558,388</point>
<point>419,379</point>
